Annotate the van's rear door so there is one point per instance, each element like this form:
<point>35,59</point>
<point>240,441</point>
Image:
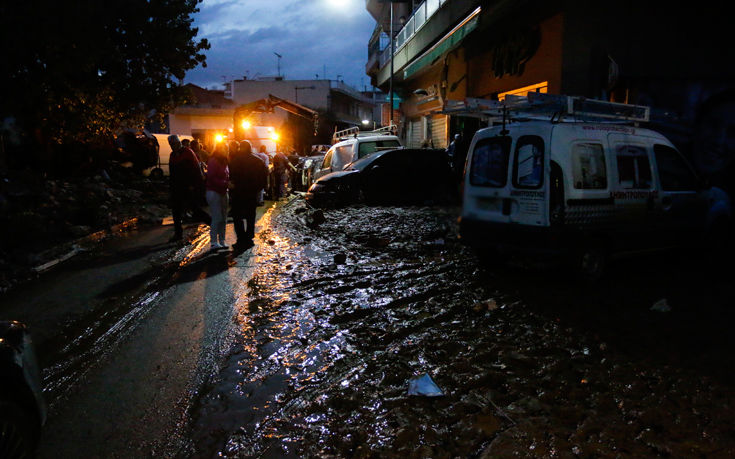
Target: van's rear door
<point>528,193</point>
<point>486,194</point>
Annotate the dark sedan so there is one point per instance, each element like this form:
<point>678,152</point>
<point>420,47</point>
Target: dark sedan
<point>22,407</point>
<point>390,177</point>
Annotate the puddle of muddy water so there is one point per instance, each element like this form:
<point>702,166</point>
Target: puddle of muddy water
<point>338,318</point>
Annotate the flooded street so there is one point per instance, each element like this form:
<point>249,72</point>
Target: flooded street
<point>339,315</point>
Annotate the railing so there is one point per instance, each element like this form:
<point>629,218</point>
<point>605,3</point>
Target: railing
<point>420,16</point>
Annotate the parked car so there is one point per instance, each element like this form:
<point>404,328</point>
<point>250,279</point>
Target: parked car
<point>398,176</point>
<point>22,407</point>
<point>354,146</point>
<point>585,191</point>
<point>308,167</point>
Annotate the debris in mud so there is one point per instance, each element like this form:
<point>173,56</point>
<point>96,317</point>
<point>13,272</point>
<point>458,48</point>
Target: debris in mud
<point>661,306</point>
<point>425,386</point>
<point>315,218</point>
<point>555,369</point>
<point>489,305</point>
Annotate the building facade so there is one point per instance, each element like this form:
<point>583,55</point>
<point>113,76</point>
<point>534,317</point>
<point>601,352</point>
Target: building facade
<point>672,59</point>
<point>348,106</point>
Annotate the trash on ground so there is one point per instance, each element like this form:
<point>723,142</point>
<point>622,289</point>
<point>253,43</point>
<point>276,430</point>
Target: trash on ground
<point>661,306</point>
<point>424,385</point>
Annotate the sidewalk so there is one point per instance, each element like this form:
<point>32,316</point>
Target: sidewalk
<point>107,267</point>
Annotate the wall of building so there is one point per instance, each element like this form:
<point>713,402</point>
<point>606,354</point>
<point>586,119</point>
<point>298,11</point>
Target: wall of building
<point>245,91</point>
<point>185,124</point>
<point>545,64</point>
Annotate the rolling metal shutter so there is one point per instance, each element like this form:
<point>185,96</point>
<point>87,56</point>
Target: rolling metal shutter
<point>415,133</point>
<point>439,131</point>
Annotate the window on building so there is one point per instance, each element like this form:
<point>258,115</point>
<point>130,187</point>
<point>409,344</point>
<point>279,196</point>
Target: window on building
<point>528,166</point>
<point>674,172</point>
<point>489,165</point>
<point>634,168</point>
<point>588,166</point>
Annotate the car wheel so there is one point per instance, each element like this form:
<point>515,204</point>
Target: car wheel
<point>17,434</point>
<point>157,173</point>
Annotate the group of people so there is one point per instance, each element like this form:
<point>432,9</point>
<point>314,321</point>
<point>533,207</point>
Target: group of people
<point>232,178</point>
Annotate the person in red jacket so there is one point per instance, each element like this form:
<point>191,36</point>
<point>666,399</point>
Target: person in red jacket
<point>218,180</point>
<point>186,186</point>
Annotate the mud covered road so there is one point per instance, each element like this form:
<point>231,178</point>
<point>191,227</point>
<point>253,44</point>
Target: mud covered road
<point>339,316</point>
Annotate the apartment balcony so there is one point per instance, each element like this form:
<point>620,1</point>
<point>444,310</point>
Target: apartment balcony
<point>427,25</point>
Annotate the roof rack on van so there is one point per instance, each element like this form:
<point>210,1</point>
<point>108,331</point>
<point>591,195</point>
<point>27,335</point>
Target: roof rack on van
<point>355,131</point>
<point>551,107</point>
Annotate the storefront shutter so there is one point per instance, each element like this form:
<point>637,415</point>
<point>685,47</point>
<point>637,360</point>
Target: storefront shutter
<point>415,135</point>
<point>439,131</point>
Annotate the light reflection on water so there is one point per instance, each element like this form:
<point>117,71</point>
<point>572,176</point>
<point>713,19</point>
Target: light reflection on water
<point>326,350</point>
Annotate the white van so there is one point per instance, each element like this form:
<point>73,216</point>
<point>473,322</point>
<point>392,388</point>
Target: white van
<point>351,145</point>
<point>164,153</point>
<point>586,189</point>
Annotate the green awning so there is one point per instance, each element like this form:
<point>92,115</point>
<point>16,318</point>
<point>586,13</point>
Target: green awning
<point>448,43</point>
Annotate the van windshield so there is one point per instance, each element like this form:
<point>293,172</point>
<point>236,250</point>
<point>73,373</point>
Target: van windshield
<point>489,165</point>
<point>367,148</point>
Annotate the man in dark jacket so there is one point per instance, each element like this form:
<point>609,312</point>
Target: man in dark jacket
<point>186,186</point>
<point>248,176</point>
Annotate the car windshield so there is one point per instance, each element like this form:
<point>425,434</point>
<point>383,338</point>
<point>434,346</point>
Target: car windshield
<point>367,148</point>
<point>362,163</point>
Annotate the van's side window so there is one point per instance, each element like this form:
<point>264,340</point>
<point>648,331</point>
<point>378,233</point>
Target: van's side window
<point>588,166</point>
<point>528,167</point>
<point>490,162</point>
<point>634,169</point>
<point>674,172</point>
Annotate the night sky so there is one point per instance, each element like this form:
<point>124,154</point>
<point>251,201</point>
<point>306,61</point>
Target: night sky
<point>312,36</point>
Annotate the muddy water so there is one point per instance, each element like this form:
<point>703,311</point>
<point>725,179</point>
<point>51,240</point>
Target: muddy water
<point>340,316</point>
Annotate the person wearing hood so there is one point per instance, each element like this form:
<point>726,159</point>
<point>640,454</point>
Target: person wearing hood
<point>186,186</point>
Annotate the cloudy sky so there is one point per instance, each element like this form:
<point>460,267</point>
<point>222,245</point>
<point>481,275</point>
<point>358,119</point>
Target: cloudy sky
<point>311,36</point>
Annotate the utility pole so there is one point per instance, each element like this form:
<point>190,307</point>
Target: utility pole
<point>392,50</point>
<point>278,59</point>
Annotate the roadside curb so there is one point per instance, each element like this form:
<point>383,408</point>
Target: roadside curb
<point>77,246</point>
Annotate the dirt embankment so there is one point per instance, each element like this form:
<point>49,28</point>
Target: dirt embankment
<point>43,218</point>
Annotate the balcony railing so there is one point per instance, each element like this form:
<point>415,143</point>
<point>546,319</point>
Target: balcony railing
<point>420,16</point>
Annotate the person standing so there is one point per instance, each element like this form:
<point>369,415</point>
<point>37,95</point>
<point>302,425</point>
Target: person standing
<point>281,164</point>
<point>248,176</point>
<point>263,154</point>
<point>218,180</point>
<point>186,186</point>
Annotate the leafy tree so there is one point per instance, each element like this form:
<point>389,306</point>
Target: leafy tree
<point>75,71</point>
